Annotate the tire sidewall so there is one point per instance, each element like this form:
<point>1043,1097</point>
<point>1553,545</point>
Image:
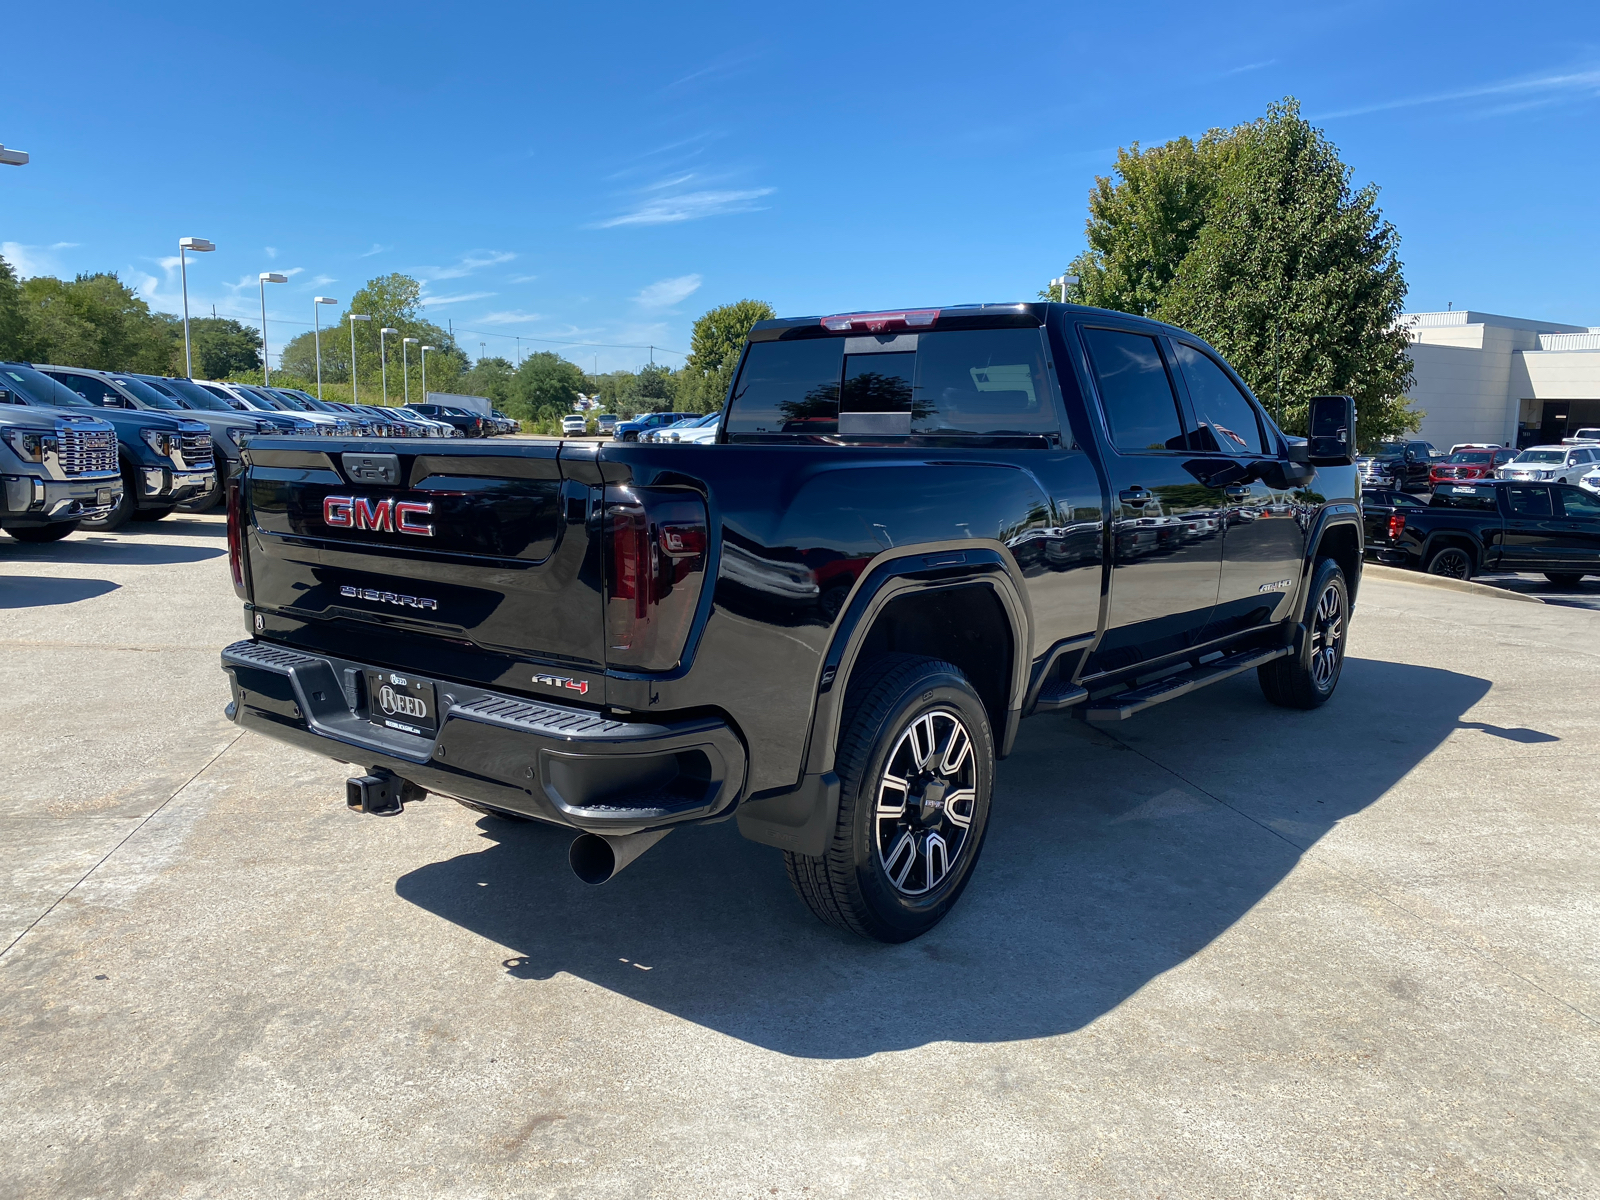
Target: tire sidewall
<point>912,915</point>
<point>1328,573</point>
<point>1441,553</point>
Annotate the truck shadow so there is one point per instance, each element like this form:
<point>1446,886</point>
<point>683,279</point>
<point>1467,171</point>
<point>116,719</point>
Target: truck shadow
<point>108,551</point>
<point>1102,870</point>
<point>30,591</point>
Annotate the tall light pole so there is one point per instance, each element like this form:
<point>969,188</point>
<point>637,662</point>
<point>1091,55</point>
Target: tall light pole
<point>354,390</point>
<point>316,323</point>
<point>198,245</point>
<point>13,158</point>
<point>266,359</point>
<point>405,365</point>
<point>425,350</point>
<point>383,359</point>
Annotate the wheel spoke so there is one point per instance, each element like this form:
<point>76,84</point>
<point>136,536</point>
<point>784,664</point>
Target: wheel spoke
<point>906,847</point>
<point>938,856</point>
<point>955,751</point>
<point>958,807</point>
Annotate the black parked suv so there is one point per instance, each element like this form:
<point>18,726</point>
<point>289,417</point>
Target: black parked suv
<point>915,529</point>
<point>470,424</point>
<point>164,460</point>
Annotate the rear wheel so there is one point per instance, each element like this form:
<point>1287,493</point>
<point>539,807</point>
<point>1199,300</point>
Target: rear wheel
<point>1306,678</point>
<point>916,770</point>
<point>1564,578</point>
<point>44,533</point>
<point>1452,562</point>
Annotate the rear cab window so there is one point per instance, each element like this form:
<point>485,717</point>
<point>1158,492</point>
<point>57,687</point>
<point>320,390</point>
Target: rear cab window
<point>1463,496</point>
<point>952,384</point>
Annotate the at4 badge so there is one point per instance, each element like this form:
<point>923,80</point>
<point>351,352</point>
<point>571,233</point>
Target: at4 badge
<point>581,686</point>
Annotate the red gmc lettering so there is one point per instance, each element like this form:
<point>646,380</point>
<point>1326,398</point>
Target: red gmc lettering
<point>404,510</point>
<point>384,516</point>
<point>374,514</point>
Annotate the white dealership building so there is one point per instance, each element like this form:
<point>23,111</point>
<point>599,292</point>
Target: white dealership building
<point>1486,378</point>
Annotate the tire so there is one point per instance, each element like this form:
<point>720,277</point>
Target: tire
<point>1306,678</point>
<point>45,533</point>
<point>890,875</point>
<point>123,512</point>
<point>1452,562</point>
<point>1564,578</point>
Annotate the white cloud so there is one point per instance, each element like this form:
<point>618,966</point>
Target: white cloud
<point>293,271</point>
<point>1541,88</point>
<point>29,261</point>
<point>426,300</point>
<point>272,251</point>
<point>376,249</point>
<point>690,206</point>
<point>508,317</point>
<point>664,293</point>
<point>473,260</point>
<point>322,279</point>
<point>523,278</point>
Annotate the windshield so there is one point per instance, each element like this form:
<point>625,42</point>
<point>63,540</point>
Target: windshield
<point>1469,456</point>
<point>196,396</point>
<point>266,401</point>
<point>147,394</point>
<point>291,401</point>
<point>41,389</point>
<point>1541,456</point>
<point>1386,452</point>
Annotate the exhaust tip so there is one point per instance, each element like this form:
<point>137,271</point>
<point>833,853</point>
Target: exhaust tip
<point>596,858</point>
<point>592,858</point>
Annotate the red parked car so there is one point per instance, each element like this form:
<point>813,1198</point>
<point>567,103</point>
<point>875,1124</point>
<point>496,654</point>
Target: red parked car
<point>1469,462</point>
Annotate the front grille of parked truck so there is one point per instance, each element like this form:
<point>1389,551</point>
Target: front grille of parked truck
<point>87,451</point>
<point>196,449</point>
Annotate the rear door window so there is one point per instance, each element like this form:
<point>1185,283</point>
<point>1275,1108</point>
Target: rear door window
<point>1229,424</point>
<point>1579,504</point>
<point>1529,501</point>
<point>1140,405</point>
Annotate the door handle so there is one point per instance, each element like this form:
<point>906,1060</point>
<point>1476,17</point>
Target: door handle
<point>1136,496</point>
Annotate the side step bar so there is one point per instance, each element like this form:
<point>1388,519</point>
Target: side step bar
<point>1122,705</point>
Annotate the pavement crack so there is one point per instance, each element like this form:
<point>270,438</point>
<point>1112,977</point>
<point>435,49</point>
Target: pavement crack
<point>54,904</point>
<point>1380,894</point>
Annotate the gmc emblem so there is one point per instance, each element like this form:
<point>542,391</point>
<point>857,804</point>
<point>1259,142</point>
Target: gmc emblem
<point>385,516</point>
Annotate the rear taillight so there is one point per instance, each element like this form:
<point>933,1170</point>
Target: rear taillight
<point>921,318</point>
<point>656,540</point>
<point>1397,525</point>
<point>236,534</point>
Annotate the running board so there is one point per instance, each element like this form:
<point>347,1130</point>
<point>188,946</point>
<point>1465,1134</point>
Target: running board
<point>1122,705</point>
<point>1056,696</point>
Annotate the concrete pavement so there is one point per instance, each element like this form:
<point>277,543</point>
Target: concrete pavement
<point>1219,950</point>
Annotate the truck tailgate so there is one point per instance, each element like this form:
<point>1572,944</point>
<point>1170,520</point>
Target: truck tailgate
<point>470,561</point>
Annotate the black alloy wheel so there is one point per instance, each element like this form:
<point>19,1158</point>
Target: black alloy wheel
<point>1307,677</point>
<point>916,772</point>
<point>1452,562</point>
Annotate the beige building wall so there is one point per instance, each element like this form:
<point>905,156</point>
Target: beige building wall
<point>1478,375</point>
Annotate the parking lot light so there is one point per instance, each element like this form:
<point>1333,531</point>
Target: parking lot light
<point>13,158</point>
<point>425,350</point>
<point>316,323</point>
<point>405,366</point>
<point>199,246</point>
<point>383,359</point>
<point>354,392</point>
<point>266,358</point>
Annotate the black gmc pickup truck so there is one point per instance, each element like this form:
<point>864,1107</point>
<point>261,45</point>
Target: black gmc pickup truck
<point>1488,525</point>
<point>914,529</point>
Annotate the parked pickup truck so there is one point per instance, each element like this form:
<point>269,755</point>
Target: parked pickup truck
<point>56,469</point>
<point>1492,525</point>
<point>915,529</point>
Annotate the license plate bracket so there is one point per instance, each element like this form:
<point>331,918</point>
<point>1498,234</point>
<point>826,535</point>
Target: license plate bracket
<point>102,497</point>
<point>402,702</point>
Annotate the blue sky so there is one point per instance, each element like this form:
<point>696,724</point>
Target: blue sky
<point>606,173</point>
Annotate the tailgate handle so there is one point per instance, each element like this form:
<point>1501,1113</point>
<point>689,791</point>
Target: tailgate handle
<point>381,469</point>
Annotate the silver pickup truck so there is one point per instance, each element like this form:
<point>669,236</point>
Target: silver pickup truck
<point>56,470</point>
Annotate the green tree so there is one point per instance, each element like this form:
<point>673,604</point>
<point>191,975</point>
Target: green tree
<point>96,320</point>
<point>545,387</point>
<point>714,347</point>
<point>222,348</point>
<point>1254,239</point>
<point>16,340</point>
<point>492,378</point>
<point>392,301</point>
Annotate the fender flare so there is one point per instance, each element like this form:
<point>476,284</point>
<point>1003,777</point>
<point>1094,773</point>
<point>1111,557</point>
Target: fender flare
<point>801,818</point>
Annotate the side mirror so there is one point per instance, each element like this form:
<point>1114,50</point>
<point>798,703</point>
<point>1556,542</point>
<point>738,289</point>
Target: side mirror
<point>1332,427</point>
